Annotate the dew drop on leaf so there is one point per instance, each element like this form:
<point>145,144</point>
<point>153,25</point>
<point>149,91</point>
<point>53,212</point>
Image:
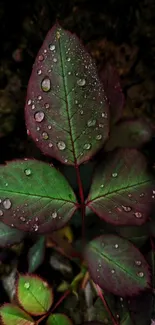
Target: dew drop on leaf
<point>52,47</point>
<point>138,263</point>
<point>87,146</point>
<point>1,213</point>
<point>112,271</point>
<point>35,227</point>
<point>116,245</point>
<point>50,145</point>
<point>41,57</point>
<point>54,215</point>
<point>39,116</point>
<point>7,204</point>
<point>29,102</point>
<point>45,135</point>
<point>140,274</point>
<point>61,145</point>
<point>39,72</point>
<point>99,137</point>
<point>91,123</point>
<point>27,172</point>
<point>138,215</point>
<point>27,285</point>
<point>46,84</point>
<point>81,82</point>
<point>114,174</point>
<point>126,209</point>
<point>55,60</point>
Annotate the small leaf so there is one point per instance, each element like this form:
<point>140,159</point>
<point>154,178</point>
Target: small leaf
<point>122,190</point>
<point>117,266</point>
<point>13,315</point>
<point>34,294</point>
<point>56,319</point>
<point>129,134</point>
<point>66,110</point>
<point>36,254</point>
<point>37,197</point>
<point>9,235</point>
<point>111,83</point>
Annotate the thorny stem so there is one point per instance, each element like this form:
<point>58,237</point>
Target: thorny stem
<point>100,294</point>
<point>82,202</point>
<point>55,306</point>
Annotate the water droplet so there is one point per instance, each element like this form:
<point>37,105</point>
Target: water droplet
<point>91,123</point>
<point>121,299</point>
<point>1,213</point>
<point>41,57</point>
<point>45,135</point>
<point>116,245</point>
<point>140,274</point>
<point>39,72</point>
<point>46,84</point>
<point>102,186</point>
<point>6,184</point>
<point>112,271</point>
<point>33,106</point>
<point>54,215</point>
<point>138,215</point>
<point>99,137</point>
<point>87,146</point>
<point>7,204</point>
<point>68,59</point>
<point>129,195</point>
<point>49,127</point>
<point>28,171</point>
<point>47,105</point>
<point>114,174</point>
<point>81,112</point>
<point>81,82</point>
<point>69,73</point>
<point>55,60</point>
<point>50,145</point>
<point>138,263</point>
<point>35,227</point>
<point>52,47</point>
<point>22,219</point>
<point>105,115</point>
<point>126,209</point>
<point>61,145</point>
<point>141,195</point>
<point>29,102</point>
<point>39,116</point>
<point>27,285</point>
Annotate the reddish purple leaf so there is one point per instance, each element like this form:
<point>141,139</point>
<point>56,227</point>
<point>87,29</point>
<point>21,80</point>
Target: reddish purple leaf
<point>66,109</point>
<point>117,266</point>
<point>122,190</point>
<point>111,83</point>
<point>129,134</point>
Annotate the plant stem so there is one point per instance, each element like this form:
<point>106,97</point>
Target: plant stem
<point>82,202</point>
<point>100,294</point>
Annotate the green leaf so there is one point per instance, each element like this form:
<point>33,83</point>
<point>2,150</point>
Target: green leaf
<point>34,294</point>
<point>13,315</point>
<point>9,235</point>
<point>117,266</point>
<point>36,254</point>
<point>66,109</point>
<point>56,319</point>
<point>121,190</point>
<point>35,196</point>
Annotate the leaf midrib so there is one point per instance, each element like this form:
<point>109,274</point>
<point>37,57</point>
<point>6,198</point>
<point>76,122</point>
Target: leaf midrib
<point>115,263</point>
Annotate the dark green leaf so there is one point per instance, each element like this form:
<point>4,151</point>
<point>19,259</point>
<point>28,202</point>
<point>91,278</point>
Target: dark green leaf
<point>35,196</point>
<point>36,254</point>
<point>9,235</point>
<point>66,109</point>
<point>129,134</point>
<point>122,189</point>
<point>117,266</point>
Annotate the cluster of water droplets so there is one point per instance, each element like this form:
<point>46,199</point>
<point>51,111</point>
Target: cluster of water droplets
<point>5,205</point>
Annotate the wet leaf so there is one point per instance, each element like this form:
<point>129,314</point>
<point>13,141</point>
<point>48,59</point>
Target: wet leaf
<point>117,266</point>
<point>56,319</point>
<point>122,190</point>
<point>111,83</point>
<point>9,235</point>
<point>36,254</point>
<point>34,294</point>
<point>66,109</point>
<point>129,134</point>
<point>35,196</point>
<point>13,315</point>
